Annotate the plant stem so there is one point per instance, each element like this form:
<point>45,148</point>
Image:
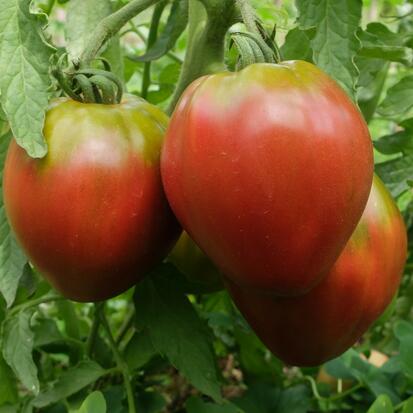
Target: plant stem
<point>152,36</point>
<point>123,367</point>
<point>248,16</point>
<point>110,25</point>
<point>34,303</point>
<point>127,324</point>
<point>98,307</point>
<point>209,21</point>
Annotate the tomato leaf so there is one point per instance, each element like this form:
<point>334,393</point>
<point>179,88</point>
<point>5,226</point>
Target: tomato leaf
<point>12,259</point>
<point>94,403</point>
<point>399,98</point>
<point>70,382</point>
<point>24,80</point>
<point>17,339</point>
<point>335,43</point>
<point>403,330</point>
<point>139,350</point>
<point>381,405</point>
<point>176,24</point>
<point>297,45</point>
<point>8,386</point>
<point>175,329</point>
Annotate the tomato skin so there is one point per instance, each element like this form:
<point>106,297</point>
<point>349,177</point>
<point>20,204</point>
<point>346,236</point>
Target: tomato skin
<point>322,324</point>
<point>92,215</point>
<point>268,170</point>
<point>196,266</point>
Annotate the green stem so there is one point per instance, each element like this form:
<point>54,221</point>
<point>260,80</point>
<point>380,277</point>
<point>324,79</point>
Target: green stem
<point>35,303</point>
<point>110,25</point>
<point>338,396</point>
<point>122,365</point>
<point>209,21</point>
<point>98,307</point>
<point>127,324</point>
<point>153,34</point>
<point>248,16</point>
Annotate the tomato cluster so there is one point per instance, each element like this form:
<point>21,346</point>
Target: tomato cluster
<point>268,170</point>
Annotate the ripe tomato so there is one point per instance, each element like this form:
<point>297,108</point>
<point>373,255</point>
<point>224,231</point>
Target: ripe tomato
<point>92,215</point>
<point>268,170</point>
<point>322,324</point>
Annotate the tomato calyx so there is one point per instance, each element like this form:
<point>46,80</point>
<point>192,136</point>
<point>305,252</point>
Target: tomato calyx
<point>88,85</point>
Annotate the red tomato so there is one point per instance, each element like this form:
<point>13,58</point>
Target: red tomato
<point>268,170</point>
<point>92,215</point>
<point>322,324</point>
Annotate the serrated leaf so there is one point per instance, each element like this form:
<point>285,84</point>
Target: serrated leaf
<point>24,80</point>
<point>378,41</point>
<point>399,98</point>
<point>8,386</point>
<point>382,405</point>
<point>395,173</point>
<point>94,403</point>
<point>175,329</point>
<point>335,43</point>
<point>17,344</point>
<point>12,259</point>
<point>175,25</point>
<point>70,382</point>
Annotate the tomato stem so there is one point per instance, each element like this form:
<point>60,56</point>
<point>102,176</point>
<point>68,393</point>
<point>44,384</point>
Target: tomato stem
<point>248,16</point>
<point>153,34</point>
<point>35,303</point>
<point>110,25</point>
<point>122,365</point>
<point>98,307</point>
<point>209,21</point>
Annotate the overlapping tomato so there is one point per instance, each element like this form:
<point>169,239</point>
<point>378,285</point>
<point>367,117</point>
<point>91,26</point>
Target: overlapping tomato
<point>268,170</point>
<point>322,324</point>
<point>92,215</point>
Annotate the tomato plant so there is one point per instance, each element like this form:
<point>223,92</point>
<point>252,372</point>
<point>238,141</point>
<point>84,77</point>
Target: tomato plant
<point>267,166</point>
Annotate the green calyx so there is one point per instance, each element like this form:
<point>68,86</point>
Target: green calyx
<point>88,85</point>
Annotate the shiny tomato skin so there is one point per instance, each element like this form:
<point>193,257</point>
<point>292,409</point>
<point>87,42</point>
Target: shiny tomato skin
<point>322,324</point>
<point>92,215</point>
<point>268,170</point>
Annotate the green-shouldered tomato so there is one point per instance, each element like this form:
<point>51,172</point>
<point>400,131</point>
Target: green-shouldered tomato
<point>92,215</point>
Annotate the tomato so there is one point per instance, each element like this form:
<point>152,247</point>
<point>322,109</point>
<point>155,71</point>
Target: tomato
<point>92,215</point>
<point>322,324</point>
<point>196,266</point>
<point>268,170</point>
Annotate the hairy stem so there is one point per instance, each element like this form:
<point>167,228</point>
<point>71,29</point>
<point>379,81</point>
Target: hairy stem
<point>110,25</point>
<point>248,15</point>
<point>209,21</point>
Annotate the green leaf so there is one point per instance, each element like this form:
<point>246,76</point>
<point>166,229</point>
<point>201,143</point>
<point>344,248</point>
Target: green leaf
<point>24,80</point>
<point>17,344</point>
<point>382,405</point>
<point>68,314</point>
<point>150,402</point>
<point>176,330</point>
<point>197,405</point>
<point>408,406</point>
<point>70,382</point>
<point>399,98</point>
<point>395,143</point>
<point>176,24</point>
<point>164,92</point>
<point>45,332</point>
<point>139,350</point>
<point>297,45</point>
<point>295,399</point>
<point>261,397</point>
<point>335,43</point>
<point>403,330</point>
<point>94,403</point>
<point>395,173</point>
<point>8,386</point>
<point>381,43</point>
<point>12,259</point>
